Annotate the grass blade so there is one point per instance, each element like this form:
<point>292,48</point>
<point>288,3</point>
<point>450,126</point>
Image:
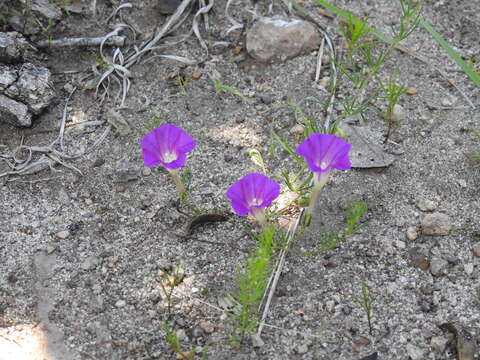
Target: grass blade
<point>466,68</point>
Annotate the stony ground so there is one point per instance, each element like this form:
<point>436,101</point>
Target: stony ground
<point>82,254</point>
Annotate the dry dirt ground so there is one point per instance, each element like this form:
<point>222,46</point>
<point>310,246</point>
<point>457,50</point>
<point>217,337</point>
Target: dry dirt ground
<point>80,254</point>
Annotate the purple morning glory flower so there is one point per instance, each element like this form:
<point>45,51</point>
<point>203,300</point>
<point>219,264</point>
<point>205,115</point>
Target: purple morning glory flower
<point>252,194</point>
<point>166,145</point>
<point>325,152</point>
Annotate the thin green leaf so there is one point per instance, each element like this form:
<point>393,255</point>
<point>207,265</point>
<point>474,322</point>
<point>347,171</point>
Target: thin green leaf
<point>467,69</point>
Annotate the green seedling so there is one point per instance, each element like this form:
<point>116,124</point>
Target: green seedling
<point>168,283</point>
<point>220,87</point>
<point>252,282</point>
<point>393,92</point>
<point>365,302</point>
<point>175,345</point>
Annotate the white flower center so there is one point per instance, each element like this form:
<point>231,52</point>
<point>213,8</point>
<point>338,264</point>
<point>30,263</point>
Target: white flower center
<point>169,157</point>
<point>323,165</point>
<point>255,202</point>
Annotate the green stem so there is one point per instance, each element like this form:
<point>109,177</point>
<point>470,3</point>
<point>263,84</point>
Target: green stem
<point>178,182</point>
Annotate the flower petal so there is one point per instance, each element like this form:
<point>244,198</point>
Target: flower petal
<point>164,141</point>
<point>252,191</point>
<point>324,152</point>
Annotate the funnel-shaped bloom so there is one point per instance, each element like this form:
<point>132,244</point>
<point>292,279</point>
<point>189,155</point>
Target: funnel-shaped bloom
<point>324,152</point>
<point>166,145</point>
<point>252,194</point>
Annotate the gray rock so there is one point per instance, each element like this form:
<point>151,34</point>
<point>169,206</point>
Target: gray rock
<point>24,90</point>
<point>32,87</point>
<point>63,234</point>
<point>302,349</point>
<point>439,343</point>
<point>120,303</point>
<point>438,266</point>
<point>427,205</point>
<point>278,39</point>
<point>266,98</point>
<point>399,113</point>
<point>44,8</point>
<point>90,263</point>
<point>12,47</point>
<point>414,352</point>
<point>412,233</point>
<point>436,224</point>
<point>468,268</point>
<point>367,151</point>
<point>14,113</point>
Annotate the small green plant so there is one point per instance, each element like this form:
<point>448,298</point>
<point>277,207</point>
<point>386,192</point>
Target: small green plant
<point>365,302</point>
<point>252,282</point>
<point>175,345</point>
<point>46,30</point>
<point>169,282</point>
<point>393,92</point>
<point>220,87</point>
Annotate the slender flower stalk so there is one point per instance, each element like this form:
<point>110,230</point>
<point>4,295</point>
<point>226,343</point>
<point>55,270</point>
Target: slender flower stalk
<point>252,194</point>
<point>323,152</point>
<point>168,146</point>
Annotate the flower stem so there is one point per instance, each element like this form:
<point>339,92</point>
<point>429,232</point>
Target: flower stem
<point>178,182</point>
<point>320,179</point>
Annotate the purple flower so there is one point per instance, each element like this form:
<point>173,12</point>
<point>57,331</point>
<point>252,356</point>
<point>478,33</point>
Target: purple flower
<point>325,152</point>
<point>252,194</point>
<point>166,145</point>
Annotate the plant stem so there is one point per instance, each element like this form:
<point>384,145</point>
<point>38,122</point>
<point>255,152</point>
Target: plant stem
<point>178,182</point>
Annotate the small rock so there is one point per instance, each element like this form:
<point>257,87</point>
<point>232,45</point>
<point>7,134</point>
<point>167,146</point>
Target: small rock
<point>50,249</point>
<point>14,112</point>
<point>90,263</point>
<point>427,205</point>
<point>476,249</point>
<point>120,188</point>
<point>438,266</point>
<point>302,349</point>
<point>267,99</point>
<point>88,202</point>
<point>412,233</point>
<point>257,341</point>
<point>207,326</point>
<point>297,129</point>
<point>468,268</point>
<point>146,171</point>
<point>414,352</point>
<point>63,234</point>
<point>400,244</point>
<point>120,304</point>
<point>227,157</point>
<point>436,224</point>
<point>278,39</point>
<point>399,113</point>
<point>420,261</point>
<point>448,101</point>
<point>324,82</point>
<point>361,341</point>
<point>197,75</point>
<point>411,91</point>
<point>439,343</point>
<point>330,306</point>
<point>45,9</point>
<point>98,162</point>
<point>12,47</point>
<point>181,334</point>
<point>462,183</point>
